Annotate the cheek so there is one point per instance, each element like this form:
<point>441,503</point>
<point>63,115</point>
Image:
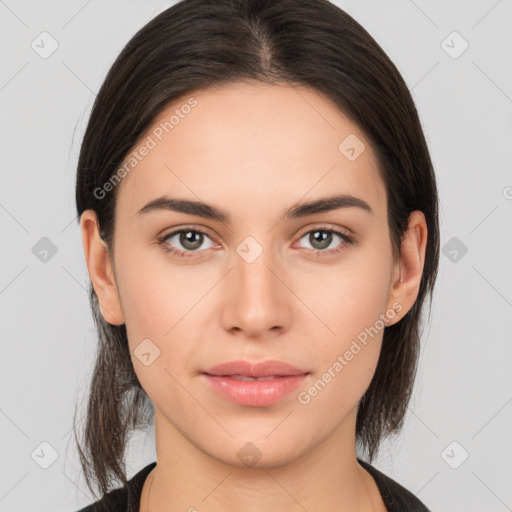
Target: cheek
<point>348,354</point>
<point>352,301</point>
<point>155,293</point>
<point>157,304</point>
<point>351,296</point>
<point>162,303</point>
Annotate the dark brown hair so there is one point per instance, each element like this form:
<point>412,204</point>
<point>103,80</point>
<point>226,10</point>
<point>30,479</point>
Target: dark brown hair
<point>196,44</point>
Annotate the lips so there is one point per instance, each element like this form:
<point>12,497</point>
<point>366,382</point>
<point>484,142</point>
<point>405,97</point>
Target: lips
<point>246,370</point>
<point>254,384</point>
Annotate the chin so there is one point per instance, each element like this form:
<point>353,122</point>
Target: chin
<point>256,455</point>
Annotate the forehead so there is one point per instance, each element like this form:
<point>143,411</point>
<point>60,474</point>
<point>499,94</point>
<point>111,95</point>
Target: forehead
<point>270,144</point>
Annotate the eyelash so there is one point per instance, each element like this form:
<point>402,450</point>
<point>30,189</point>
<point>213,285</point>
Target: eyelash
<point>162,241</point>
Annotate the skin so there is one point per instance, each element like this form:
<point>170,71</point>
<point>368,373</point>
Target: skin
<point>254,150</point>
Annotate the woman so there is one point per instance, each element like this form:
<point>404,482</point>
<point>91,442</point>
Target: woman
<point>259,218</point>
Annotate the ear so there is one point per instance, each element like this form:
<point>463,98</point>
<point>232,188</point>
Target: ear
<point>100,269</point>
<point>408,270</point>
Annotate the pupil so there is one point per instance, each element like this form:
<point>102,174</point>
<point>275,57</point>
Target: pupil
<point>325,239</point>
<point>191,240</point>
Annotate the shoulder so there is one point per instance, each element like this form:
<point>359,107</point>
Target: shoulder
<point>123,499</point>
<point>396,497</point>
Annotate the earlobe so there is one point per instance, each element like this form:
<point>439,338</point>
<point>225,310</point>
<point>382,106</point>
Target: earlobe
<point>408,273</point>
<point>100,269</point>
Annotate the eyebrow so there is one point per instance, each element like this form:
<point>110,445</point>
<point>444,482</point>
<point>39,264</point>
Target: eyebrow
<point>297,211</point>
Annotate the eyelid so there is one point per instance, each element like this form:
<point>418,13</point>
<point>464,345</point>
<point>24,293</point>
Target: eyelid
<point>325,227</point>
<point>196,228</point>
<point>185,227</point>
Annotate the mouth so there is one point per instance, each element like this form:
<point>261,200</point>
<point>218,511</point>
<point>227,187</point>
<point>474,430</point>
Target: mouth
<point>254,384</point>
<point>245,377</point>
<point>255,370</point>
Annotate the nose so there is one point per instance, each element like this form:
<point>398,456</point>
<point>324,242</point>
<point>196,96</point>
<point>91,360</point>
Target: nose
<point>258,302</point>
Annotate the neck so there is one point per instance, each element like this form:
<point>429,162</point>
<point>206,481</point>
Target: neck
<point>327,477</point>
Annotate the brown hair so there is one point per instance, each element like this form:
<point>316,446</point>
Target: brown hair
<point>196,44</point>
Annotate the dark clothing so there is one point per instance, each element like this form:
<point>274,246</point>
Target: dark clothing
<point>127,499</point>
<point>395,497</point>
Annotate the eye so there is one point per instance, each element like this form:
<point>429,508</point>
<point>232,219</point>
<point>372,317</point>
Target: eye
<point>191,240</point>
<point>322,237</point>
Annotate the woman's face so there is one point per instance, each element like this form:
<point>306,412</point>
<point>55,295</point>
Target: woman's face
<point>259,284</point>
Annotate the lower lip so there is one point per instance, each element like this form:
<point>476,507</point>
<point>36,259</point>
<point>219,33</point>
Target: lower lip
<point>255,393</point>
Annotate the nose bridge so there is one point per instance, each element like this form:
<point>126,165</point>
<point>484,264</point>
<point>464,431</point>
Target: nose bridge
<point>257,295</point>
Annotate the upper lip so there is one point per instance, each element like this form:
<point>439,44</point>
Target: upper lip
<point>254,369</point>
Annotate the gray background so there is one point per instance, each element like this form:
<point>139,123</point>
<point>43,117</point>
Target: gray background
<point>462,400</point>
